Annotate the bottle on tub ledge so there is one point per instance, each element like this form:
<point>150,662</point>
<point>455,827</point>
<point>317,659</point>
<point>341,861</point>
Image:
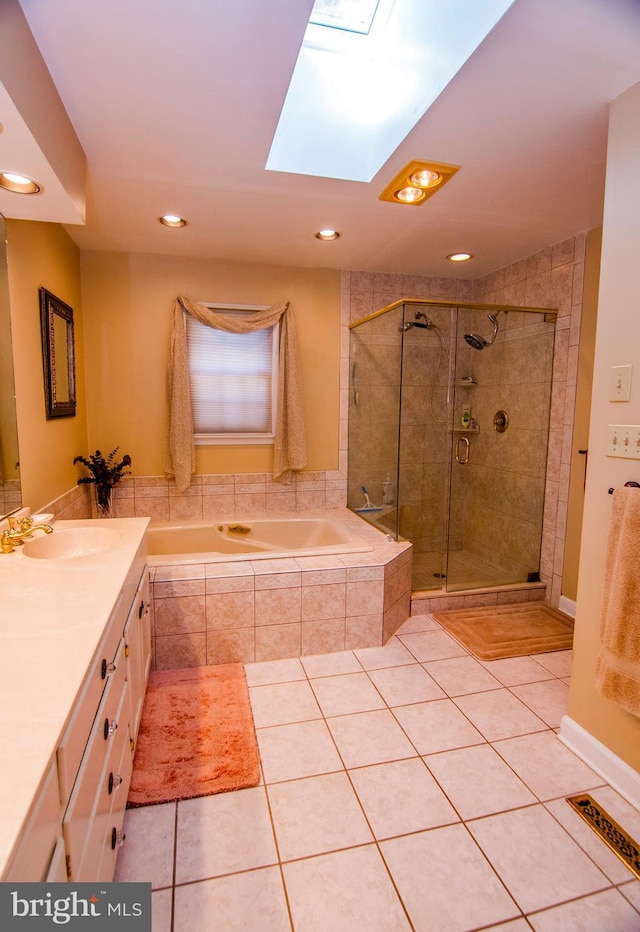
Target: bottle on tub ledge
<point>387,490</point>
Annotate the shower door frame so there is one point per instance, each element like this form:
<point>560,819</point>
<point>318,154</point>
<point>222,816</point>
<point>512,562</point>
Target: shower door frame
<point>549,315</point>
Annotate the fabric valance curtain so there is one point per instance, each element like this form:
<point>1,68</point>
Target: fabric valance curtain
<point>290,452</point>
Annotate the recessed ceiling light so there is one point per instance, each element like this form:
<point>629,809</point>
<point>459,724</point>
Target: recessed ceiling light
<point>418,181</point>
<point>459,256</point>
<point>172,220</point>
<point>19,184</point>
<point>327,235</point>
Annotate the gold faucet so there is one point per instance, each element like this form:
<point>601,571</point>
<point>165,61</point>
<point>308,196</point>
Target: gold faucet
<point>19,531</point>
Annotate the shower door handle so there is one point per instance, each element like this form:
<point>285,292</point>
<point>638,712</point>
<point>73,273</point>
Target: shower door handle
<point>465,441</point>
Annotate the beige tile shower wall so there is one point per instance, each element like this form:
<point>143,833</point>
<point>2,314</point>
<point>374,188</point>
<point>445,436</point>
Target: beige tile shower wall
<point>552,277</point>
<point>498,496</point>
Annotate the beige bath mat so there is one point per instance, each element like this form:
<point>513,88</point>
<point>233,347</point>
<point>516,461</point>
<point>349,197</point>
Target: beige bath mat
<point>499,631</point>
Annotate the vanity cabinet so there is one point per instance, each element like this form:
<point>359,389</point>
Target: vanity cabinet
<point>94,810</point>
<point>75,827</point>
<point>36,857</point>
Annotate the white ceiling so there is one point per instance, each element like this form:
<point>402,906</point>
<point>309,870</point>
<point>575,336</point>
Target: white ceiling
<point>175,105</point>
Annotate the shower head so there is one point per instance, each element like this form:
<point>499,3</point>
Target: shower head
<point>479,342</point>
<point>416,323</point>
<point>475,341</point>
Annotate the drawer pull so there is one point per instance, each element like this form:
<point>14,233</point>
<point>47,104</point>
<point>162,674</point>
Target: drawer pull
<point>109,728</point>
<point>117,838</point>
<point>107,669</point>
<point>115,782</point>
<point>143,609</point>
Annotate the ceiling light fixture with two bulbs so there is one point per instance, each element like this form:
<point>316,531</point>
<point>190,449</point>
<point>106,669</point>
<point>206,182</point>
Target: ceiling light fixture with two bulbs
<point>418,181</point>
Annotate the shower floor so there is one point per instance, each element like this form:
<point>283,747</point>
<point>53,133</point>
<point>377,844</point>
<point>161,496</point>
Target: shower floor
<point>465,571</point>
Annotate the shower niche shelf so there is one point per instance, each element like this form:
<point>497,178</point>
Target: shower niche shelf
<point>466,430</point>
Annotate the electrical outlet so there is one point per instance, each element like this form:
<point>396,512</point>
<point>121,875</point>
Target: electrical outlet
<point>624,441</point>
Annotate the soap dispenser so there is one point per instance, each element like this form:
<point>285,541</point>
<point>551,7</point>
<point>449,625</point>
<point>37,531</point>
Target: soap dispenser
<point>387,490</point>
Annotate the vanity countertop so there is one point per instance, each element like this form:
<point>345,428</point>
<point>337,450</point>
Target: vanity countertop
<point>52,617</point>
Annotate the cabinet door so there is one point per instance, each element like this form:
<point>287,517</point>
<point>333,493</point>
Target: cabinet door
<point>58,867</point>
<point>137,636</point>
<point>34,855</point>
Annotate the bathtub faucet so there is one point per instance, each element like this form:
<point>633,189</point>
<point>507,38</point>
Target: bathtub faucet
<point>239,529</point>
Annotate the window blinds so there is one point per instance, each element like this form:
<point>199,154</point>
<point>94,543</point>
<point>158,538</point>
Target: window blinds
<point>232,378</point>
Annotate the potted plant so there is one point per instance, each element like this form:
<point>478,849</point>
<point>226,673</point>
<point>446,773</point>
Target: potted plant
<point>105,474</point>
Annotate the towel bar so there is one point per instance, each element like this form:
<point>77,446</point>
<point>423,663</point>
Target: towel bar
<point>632,483</point>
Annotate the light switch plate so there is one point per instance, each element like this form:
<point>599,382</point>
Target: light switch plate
<point>623,440</point>
<point>620,386</point>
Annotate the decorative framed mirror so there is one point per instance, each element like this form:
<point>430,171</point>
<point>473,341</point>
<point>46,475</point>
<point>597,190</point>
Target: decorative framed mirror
<point>58,360</point>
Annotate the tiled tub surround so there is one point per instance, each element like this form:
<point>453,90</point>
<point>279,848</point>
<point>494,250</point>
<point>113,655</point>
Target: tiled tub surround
<point>271,609</point>
<point>210,496</point>
<point>222,497</point>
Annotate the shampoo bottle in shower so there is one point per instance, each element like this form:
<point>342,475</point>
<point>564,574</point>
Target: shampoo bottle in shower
<point>387,490</point>
<point>466,416</point>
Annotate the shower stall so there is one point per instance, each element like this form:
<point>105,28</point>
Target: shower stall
<point>449,407</point>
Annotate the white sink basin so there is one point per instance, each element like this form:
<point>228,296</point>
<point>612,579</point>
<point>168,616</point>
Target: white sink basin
<point>70,543</point>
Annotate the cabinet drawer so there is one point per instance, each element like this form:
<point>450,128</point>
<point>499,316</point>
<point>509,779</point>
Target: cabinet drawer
<point>101,748</point>
<point>113,825</point>
<point>100,676</point>
<point>107,813</point>
<point>33,857</point>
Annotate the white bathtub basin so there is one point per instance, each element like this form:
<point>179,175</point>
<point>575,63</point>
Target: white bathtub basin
<point>71,543</point>
<point>250,539</point>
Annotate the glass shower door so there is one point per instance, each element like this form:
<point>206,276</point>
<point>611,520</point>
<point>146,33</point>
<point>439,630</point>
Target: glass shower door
<point>424,450</point>
<point>375,360</point>
<point>498,442</point>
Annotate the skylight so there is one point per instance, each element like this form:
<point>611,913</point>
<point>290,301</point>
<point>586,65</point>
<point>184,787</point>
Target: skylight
<point>352,15</point>
<point>359,87</point>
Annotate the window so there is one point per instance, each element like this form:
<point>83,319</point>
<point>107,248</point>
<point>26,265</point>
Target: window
<point>233,379</point>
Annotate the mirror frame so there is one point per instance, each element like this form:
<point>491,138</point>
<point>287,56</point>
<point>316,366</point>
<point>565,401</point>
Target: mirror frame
<point>53,353</point>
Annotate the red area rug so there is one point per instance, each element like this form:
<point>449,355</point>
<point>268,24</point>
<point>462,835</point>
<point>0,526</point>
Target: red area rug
<point>196,736</point>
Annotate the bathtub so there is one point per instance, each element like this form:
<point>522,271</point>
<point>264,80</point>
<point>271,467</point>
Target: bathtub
<point>251,539</point>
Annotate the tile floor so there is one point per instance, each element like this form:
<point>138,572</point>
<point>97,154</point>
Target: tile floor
<point>465,570</point>
<point>404,787</point>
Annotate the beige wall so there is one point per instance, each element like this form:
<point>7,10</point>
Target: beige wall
<point>128,304</point>
<point>617,343</point>
<point>43,255</point>
<point>580,440</point>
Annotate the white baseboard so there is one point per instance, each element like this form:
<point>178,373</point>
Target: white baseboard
<point>568,606</point>
<point>624,779</point>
